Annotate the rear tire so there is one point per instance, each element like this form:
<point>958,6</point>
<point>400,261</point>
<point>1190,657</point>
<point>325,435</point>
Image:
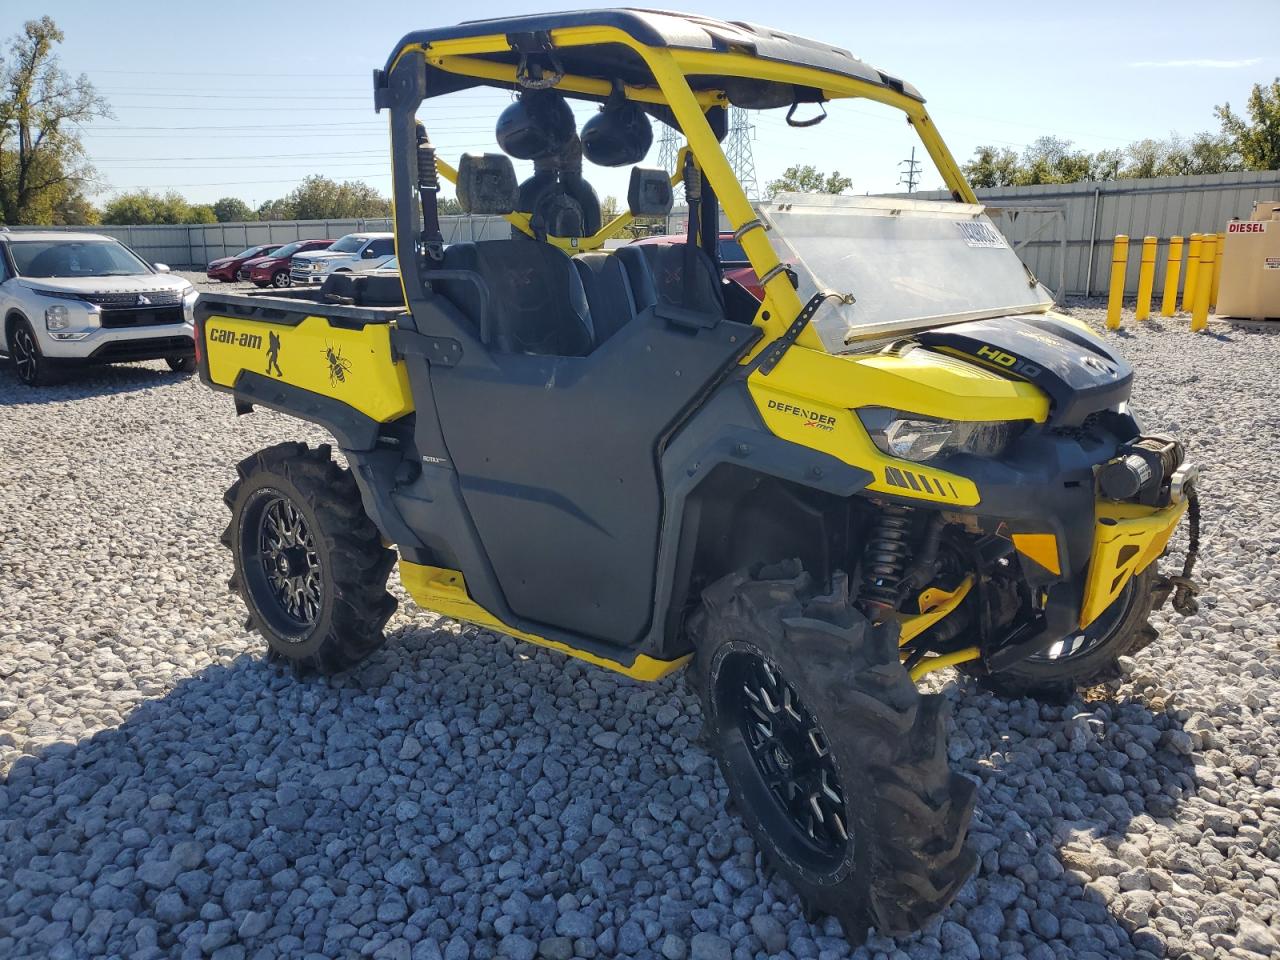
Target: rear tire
<point>1123,630</point>
<point>836,722</point>
<point>309,564</point>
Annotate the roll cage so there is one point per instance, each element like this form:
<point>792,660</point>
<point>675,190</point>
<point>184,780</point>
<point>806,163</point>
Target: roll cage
<point>684,70</point>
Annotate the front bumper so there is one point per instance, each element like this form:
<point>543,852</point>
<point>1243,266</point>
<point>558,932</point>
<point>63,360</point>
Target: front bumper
<point>305,277</point>
<point>123,345</point>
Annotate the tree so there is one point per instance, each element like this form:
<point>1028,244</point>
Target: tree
<point>42,160</point>
<point>992,167</point>
<point>233,209</point>
<point>73,209</point>
<point>320,198</point>
<point>1258,138</point>
<point>808,179</point>
<point>143,207</point>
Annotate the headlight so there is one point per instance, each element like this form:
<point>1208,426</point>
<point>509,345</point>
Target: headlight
<point>56,318</point>
<point>188,305</point>
<point>317,266</point>
<point>911,436</point>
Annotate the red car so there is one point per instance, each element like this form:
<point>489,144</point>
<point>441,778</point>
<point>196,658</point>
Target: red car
<point>226,268</point>
<point>734,264</point>
<point>273,271</point>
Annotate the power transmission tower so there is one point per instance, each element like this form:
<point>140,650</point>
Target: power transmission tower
<point>668,149</point>
<point>738,151</point>
<point>910,176</point>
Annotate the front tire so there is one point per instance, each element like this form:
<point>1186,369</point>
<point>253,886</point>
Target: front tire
<point>280,280</point>
<point>309,564</point>
<point>29,361</point>
<point>836,761</point>
<point>1086,658</point>
<point>181,364</point>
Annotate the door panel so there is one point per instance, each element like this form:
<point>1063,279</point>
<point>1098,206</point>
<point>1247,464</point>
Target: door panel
<point>557,460</point>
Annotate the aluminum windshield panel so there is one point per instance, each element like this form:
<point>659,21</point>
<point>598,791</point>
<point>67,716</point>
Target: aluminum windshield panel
<point>904,264</point>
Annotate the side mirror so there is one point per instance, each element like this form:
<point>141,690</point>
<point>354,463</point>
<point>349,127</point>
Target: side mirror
<point>161,267</point>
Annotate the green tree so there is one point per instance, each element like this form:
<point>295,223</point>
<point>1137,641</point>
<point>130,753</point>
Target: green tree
<point>1257,139</point>
<point>42,161</point>
<point>808,179</point>
<point>992,167</point>
<point>233,209</point>
<point>320,198</point>
<point>144,206</point>
<point>73,209</point>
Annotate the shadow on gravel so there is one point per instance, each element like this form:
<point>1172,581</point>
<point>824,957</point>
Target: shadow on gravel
<point>1070,797</point>
<point>456,790</point>
<point>76,384</point>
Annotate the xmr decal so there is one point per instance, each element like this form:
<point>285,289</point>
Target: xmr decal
<point>812,419</point>
<point>273,353</point>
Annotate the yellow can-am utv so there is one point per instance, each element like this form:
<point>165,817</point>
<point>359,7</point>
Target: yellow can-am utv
<point>900,459</point>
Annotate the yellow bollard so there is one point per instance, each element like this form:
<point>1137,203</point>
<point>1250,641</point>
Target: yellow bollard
<point>1193,271</point>
<point>1172,274</point>
<point>1115,296</point>
<point>1146,278</point>
<point>1217,270</point>
<point>1200,311</point>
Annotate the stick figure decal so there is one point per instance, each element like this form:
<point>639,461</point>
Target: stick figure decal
<point>273,353</point>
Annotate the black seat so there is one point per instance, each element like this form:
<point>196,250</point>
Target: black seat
<point>535,299</point>
<point>609,294</point>
<point>657,275</point>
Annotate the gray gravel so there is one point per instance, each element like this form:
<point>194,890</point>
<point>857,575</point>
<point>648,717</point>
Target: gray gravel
<point>167,793</point>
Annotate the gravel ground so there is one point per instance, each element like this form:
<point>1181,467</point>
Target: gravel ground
<point>164,792</point>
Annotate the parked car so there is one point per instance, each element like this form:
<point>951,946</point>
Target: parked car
<point>226,268</point>
<point>354,253</point>
<point>82,298</point>
<point>273,270</point>
<point>734,264</point>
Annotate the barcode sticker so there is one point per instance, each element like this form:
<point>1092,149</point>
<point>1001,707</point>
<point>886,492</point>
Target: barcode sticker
<point>979,234</point>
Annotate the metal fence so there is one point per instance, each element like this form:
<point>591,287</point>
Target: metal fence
<point>192,246</point>
<point>1071,237</point>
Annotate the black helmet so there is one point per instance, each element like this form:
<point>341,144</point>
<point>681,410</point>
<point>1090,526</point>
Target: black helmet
<point>619,135</point>
<point>538,125</point>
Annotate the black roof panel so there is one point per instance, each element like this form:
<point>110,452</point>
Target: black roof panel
<point>658,28</point>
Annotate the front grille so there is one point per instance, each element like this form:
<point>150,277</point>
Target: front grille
<point>120,301</point>
<point>143,317</point>
<point>243,273</point>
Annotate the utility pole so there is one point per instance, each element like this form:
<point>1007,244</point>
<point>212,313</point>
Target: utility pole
<point>911,175</point>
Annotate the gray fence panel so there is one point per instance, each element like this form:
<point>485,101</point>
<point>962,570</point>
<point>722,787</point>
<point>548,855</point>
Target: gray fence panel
<point>191,247</point>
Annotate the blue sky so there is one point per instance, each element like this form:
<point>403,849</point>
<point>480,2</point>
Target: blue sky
<point>245,99</point>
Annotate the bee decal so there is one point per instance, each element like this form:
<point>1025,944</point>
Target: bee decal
<point>338,365</point>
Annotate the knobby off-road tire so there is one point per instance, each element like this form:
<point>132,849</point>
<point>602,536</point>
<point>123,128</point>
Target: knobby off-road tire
<point>1122,630</point>
<point>776,664</point>
<point>309,564</point>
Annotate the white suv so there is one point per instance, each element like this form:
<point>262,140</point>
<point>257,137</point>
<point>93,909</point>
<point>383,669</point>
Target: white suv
<point>80,298</point>
<point>354,253</point>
